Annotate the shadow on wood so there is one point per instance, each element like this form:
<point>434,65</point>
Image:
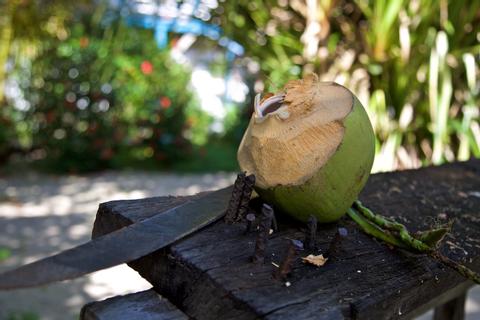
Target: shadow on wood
<point>209,275</point>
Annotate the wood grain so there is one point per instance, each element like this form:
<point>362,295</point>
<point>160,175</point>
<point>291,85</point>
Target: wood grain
<point>209,275</point>
<point>145,305</point>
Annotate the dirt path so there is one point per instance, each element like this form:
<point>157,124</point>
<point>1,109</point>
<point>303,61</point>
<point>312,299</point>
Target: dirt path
<point>41,215</point>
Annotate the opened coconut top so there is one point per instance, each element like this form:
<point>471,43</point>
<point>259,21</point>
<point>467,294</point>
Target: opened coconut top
<point>293,133</point>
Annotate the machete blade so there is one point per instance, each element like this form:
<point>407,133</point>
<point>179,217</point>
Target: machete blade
<point>107,251</point>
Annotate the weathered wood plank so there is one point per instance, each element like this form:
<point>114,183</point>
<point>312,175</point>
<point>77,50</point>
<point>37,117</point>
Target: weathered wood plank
<point>209,274</point>
<point>145,305</point>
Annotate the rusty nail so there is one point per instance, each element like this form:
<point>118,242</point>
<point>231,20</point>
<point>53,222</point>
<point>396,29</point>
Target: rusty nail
<point>235,199</point>
<point>263,232</point>
<point>243,208</point>
<point>250,182</point>
<point>311,234</point>
<point>287,263</point>
<point>336,243</point>
<point>274,222</point>
<point>250,219</point>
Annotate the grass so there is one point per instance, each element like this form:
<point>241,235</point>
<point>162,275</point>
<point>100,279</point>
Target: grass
<point>4,254</point>
<point>24,315</point>
<point>216,156</point>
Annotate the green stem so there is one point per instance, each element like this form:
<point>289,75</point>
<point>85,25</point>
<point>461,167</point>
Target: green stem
<point>381,227</point>
<point>388,224</point>
<point>434,236</point>
<point>464,271</point>
<point>374,230</point>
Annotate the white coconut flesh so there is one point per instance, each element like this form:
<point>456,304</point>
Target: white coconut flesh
<point>294,133</point>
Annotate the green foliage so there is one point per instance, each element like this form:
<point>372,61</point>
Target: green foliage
<point>218,155</point>
<point>103,95</point>
<point>413,63</point>
<point>273,41</point>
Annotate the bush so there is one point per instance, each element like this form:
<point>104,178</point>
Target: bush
<point>413,64</point>
<point>104,95</point>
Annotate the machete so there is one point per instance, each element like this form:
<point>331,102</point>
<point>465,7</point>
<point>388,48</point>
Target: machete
<point>107,251</point>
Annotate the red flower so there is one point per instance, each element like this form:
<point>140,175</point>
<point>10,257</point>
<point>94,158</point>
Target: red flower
<point>84,42</point>
<point>51,116</point>
<point>92,127</point>
<point>160,156</point>
<point>165,102</point>
<point>146,67</point>
<point>106,154</point>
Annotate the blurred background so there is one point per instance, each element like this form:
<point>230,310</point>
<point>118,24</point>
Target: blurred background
<point>117,99</point>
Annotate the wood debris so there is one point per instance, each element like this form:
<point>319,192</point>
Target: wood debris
<point>318,260</point>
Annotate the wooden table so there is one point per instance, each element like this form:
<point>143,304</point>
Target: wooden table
<point>209,275</point>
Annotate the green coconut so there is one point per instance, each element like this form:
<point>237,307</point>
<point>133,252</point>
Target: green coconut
<point>311,148</point>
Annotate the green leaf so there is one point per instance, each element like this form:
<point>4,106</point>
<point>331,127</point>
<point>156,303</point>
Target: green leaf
<point>433,237</point>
